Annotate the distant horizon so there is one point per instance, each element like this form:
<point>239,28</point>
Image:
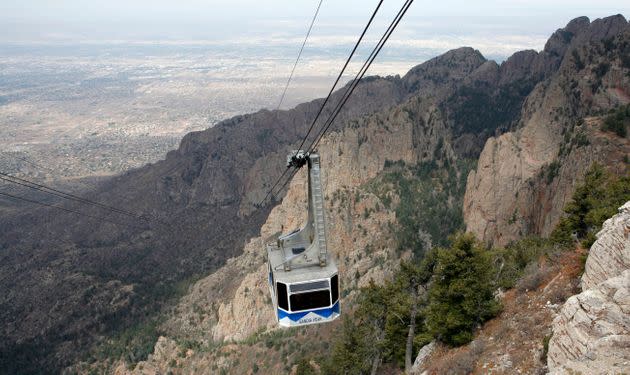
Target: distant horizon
<point>493,27</point>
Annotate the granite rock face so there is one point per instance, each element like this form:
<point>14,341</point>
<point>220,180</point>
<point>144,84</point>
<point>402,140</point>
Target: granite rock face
<point>525,177</point>
<point>591,334</point>
<point>422,356</point>
<point>610,254</point>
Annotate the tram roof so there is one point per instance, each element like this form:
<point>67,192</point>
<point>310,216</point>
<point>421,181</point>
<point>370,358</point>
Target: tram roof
<point>299,274</point>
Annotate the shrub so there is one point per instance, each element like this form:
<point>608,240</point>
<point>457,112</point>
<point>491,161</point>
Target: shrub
<point>351,353</point>
<point>512,261</point>
<point>304,367</point>
<point>579,64</point>
<point>533,276</point>
<point>463,362</point>
<point>543,355</point>
<point>133,344</point>
<point>601,69</point>
<point>552,171</point>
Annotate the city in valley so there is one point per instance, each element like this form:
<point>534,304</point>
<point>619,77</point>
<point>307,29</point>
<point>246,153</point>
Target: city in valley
<point>80,112</point>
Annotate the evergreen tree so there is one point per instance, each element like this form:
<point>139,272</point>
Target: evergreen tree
<point>461,294</point>
<point>360,346</point>
<point>594,201</point>
<point>350,352</point>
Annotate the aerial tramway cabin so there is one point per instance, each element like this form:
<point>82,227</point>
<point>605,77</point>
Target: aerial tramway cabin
<point>303,277</point>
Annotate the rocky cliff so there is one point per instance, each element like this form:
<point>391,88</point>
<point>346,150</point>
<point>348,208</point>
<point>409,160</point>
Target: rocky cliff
<point>591,334</point>
<point>418,130</point>
<point>525,177</point>
<point>92,279</point>
<point>610,254</point>
<point>233,303</point>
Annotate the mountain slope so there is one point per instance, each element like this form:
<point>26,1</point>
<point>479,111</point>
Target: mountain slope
<point>439,114</point>
<point>92,279</point>
<point>444,123</point>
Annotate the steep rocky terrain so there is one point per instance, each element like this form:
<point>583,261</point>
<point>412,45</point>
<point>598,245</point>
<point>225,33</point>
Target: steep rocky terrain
<point>437,117</point>
<point>227,315</point>
<point>591,334</point>
<point>610,254</point>
<point>91,279</point>
<point>233,304</point>
<point>513,342</point>
<point>525,177</point>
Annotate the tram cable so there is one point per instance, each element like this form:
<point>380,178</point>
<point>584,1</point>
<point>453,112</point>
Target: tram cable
<point>345,65</point>
<point>99,218</point>
<point>361,73</point>
<point>350,88</point>
<point>54,173</point>
<point>332,89</point>
<point>51,191</point>
<point>308,33</point>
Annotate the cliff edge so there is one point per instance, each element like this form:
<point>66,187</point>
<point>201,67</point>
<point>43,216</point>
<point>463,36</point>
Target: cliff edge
<point>591,334</point>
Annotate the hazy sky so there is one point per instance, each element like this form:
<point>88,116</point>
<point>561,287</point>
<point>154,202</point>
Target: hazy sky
<point>495,24</point>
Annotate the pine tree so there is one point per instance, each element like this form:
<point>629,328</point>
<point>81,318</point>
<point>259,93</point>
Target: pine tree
<point>461,294</point>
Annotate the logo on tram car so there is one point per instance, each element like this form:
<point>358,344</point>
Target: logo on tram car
<point>311,319</point>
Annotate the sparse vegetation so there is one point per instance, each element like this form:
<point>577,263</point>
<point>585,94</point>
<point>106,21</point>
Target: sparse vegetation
<point>533,276</point>
<point>543,355</point>
<point>426,192</point>
<point>601,69</point>
<point>618,121</point>
<point>499,109</point>
<point>132,345</point>
<point>512,262</point>
<point>594,201</point>
<point>460,296</point>
<point>579,64</point>
<point>463,362</point>
<point>460,281</point>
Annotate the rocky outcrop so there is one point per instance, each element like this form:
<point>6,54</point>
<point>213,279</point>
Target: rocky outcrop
<point>441,111</point>
<point>235,299</point>
<point>610,254</point>
<point>424,353</point>
<point>591,333</point>
<point>420,129</point>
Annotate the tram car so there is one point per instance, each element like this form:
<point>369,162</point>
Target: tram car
<point>303,276</point>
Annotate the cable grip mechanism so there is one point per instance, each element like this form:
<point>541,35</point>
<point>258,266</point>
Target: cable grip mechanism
<point>297,159</point>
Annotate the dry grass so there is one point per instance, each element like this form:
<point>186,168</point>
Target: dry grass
<point>533,277</point>
<point>459,361</point>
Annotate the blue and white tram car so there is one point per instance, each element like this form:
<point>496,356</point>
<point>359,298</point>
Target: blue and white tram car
<point>303,296</point>
<point>303,277</point>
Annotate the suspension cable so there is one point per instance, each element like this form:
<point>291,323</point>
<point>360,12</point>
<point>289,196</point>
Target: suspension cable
<point>353,85</point>
<point>48,190</point>
<point>100,218</point>
<point>361,73</point>
<point>308,33</point>
<point>356,46</point>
